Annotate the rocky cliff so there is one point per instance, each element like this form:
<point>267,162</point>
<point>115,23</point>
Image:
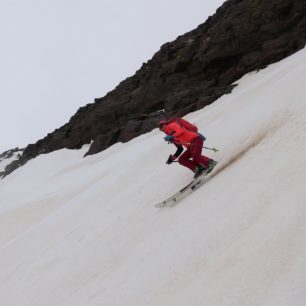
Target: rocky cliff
<point>185,75</point>
<point>8,157</point>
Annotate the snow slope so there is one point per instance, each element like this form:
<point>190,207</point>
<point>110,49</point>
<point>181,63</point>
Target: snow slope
<point>85,232</point>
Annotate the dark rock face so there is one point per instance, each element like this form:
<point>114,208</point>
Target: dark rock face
<point>185,75</point>
<point>9,154</point>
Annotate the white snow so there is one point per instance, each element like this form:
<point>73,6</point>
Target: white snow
<point>85,232</point>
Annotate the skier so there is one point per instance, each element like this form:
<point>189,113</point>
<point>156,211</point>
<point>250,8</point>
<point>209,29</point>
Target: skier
<point>182,133</point>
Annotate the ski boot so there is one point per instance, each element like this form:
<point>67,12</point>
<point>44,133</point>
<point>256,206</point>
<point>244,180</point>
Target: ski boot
<point>211,165</point>
<point>198,171</point>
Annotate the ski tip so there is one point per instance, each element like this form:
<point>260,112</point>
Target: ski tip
<point>161,205</point>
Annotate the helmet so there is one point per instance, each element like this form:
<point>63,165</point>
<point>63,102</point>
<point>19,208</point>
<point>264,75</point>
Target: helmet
<point>161,124</point>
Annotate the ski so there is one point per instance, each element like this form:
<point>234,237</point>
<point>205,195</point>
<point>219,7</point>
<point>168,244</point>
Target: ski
<point>185,191</point>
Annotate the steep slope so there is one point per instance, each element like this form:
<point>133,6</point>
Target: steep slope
<point>85,231</point>
<point>185,75</point>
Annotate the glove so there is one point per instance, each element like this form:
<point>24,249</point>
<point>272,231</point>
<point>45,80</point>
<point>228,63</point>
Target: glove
<point>170,159</point>
<point>202,136</point>
<point>169,138</point>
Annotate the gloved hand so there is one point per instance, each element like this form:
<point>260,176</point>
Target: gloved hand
<point>170,159</point>
<point>169,138</point>
<point>202,136</point>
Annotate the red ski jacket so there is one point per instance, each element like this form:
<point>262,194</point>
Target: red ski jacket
<point>181,136</point>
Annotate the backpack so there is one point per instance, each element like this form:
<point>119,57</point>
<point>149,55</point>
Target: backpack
<point>184,124</point>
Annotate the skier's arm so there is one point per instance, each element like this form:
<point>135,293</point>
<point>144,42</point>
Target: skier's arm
<point>173,157</point>
<point>178,151</point>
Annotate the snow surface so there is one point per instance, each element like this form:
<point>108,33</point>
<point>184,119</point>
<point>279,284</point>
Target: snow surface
<point>85,232</point>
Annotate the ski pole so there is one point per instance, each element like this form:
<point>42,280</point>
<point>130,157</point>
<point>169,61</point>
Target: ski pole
<point>213,149</point>
<point>188,143</point>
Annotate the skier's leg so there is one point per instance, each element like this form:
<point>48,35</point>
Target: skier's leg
<point>184,160</point>
<point>196,150</point>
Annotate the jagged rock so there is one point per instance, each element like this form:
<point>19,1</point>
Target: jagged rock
<point>186,74</point>
<point>9,154</point>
